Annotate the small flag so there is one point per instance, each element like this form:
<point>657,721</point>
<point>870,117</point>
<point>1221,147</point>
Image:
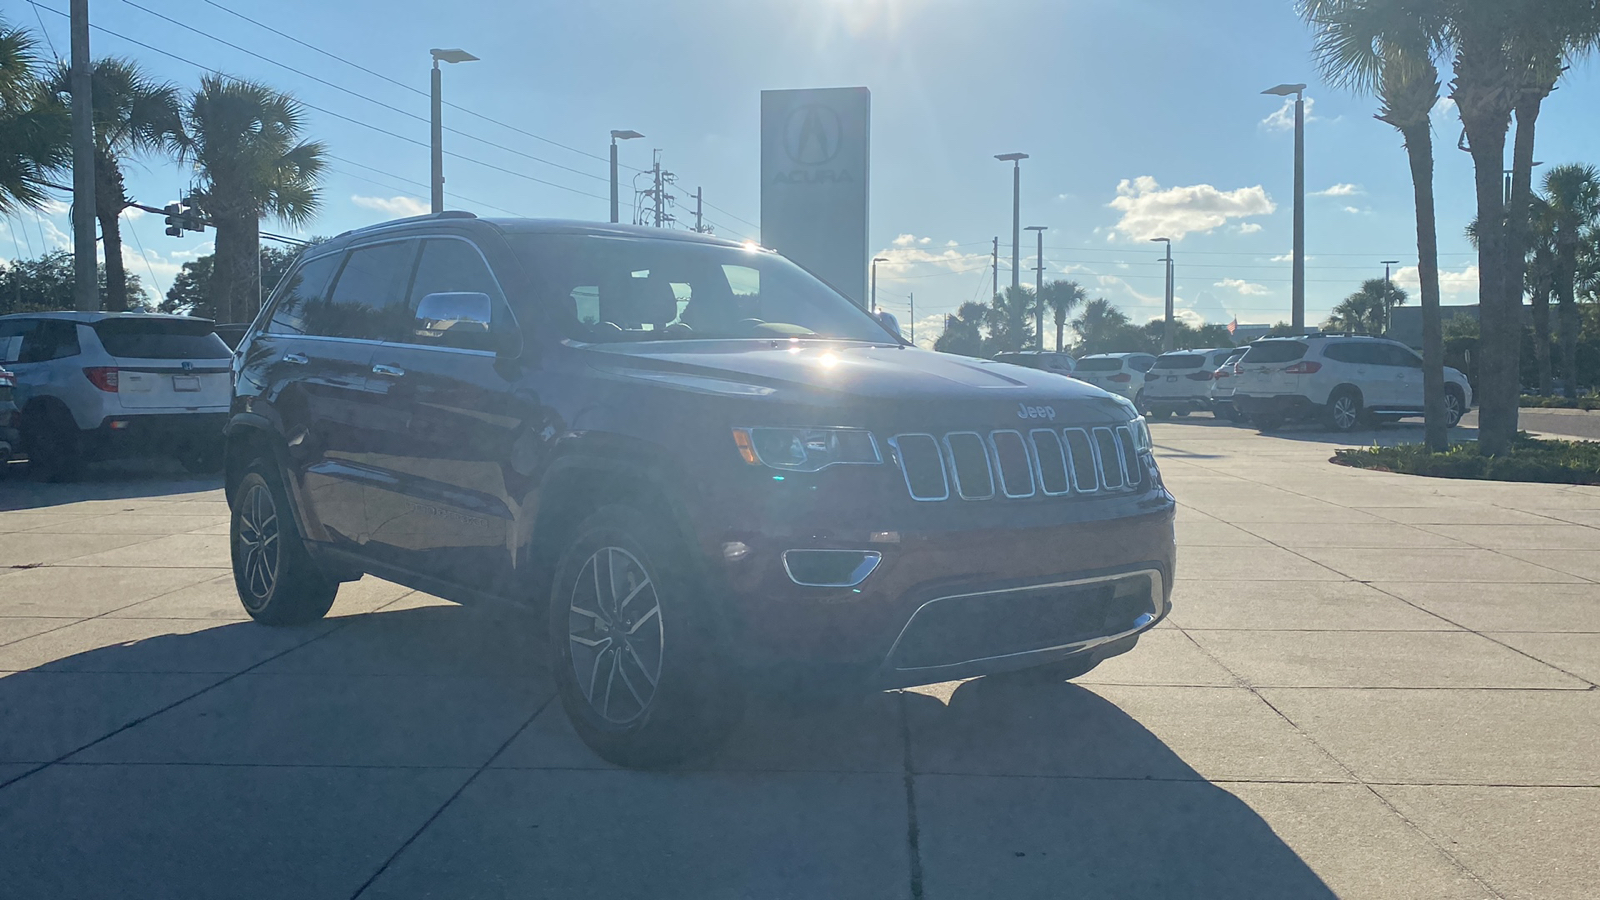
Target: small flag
<point>1234,325</point>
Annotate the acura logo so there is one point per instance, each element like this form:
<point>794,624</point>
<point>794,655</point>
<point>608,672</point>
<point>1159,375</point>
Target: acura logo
<point>812,135</point>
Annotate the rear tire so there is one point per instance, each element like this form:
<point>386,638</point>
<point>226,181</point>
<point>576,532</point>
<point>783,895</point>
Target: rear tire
<point>202,458</point>
<point>54,443</point>
<point>1344,410</point>
<point>636,645</point>
<point>1181,413</point>
<point>277,580</point>
<point>1265,422</point>
<point>1159,412</point>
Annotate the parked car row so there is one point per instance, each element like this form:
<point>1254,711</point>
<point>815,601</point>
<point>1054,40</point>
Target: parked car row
<point>92,386</point>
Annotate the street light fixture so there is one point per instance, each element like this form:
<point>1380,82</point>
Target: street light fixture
<point>452,55</point>
<point>875,261</point>
<point>618,135</point>
<point>1038,290</point>
<point>1297,314</point>
<point>1167,336</point>
<point>1016,210</point>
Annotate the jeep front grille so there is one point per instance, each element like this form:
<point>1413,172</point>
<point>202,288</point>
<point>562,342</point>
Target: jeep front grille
<point>1007,463</point>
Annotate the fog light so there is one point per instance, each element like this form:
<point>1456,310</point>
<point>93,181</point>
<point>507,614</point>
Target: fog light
<point>830,568</point>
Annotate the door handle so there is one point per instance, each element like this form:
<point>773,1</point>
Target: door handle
<point>390,371</point>
<point>298,359</point>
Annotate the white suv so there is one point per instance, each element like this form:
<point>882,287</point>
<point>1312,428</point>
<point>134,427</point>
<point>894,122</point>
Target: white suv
<point>1343,380</point>
<point>1119,373</point>
<point>1180,381</point>
<point>99,385</point>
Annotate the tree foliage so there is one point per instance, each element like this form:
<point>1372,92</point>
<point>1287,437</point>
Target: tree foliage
<point>45,283</point>
<point>1369,309</point>
<point>35,132</point>
<point>190,291</point>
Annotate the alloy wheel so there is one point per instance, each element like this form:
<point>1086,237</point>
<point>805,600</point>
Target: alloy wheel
<point>1344,412</point>
<point>615,635</point>
<point>258,544</point>
<point>1452,409</point>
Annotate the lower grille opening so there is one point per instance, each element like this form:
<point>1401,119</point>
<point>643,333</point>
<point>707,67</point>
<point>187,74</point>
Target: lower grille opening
<point>956,630</point>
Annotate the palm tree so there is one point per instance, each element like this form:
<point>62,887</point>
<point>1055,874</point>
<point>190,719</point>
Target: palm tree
<point>1368,310</point>
<point>1540,278</point>
<point>244,140</point>
<point>1387,47</point>
<point>1011,320</point>
<point>1062,297</point>
<point>35,139</point>
<point>1572,194</point>
<point>963,331</point>
<point>133,114</point>
<point>1100,324</point>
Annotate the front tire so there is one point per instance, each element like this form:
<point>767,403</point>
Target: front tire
<point>277,581</point>
<point>636,647</point>
<point>1455,406</point>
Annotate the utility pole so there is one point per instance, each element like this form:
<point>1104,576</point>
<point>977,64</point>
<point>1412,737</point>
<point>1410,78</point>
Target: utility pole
<point>1038,292</point>
<point>85,271</point>
<point>994,263</point>
<point>657,193</point>
<point>660,180</point>
<point>699,221</point>
<point>1388,292</point>
<point>1167,336</point>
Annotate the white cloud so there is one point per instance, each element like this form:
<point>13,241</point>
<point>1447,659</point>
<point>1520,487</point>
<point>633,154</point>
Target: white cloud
<point>1247,228</point>
<point>1444,107</point>
<point>1282,119</point>
<point>1149,210</point>
<point>929,327</point>
<point>904,240</point>
<point>925,241</point>
<point>1340,190</point>
<point>1244,287</point>
<point>1462,282</point>
<point>396,207</point>
<point>1355,210</point>
<point>1287,258</point>
<point>907,253</point>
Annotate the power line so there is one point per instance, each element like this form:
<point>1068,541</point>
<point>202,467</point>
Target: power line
<point>405,180</point>
<point>154,282</point>
<point>357,94</point>
<point>400,137</point>
<point>415,90</point>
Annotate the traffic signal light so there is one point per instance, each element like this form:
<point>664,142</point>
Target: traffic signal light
<point>175,219</point>
<point>192,217</point>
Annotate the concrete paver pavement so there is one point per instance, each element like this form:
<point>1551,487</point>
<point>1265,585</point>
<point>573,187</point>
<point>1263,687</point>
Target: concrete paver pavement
<point>1372,686</point>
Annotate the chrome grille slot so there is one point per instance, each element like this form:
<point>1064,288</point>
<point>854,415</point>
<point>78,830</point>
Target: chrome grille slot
<point>1108,459</point>
<point>1051,455</point>
<point>1130,456</point>
<point>1016,467</point>
<point>969,460</point>
<point>1080,455</point>
<point>922,464</point>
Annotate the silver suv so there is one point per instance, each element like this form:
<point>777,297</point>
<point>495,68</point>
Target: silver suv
<point>1344,380</point>
<point>100,385</point>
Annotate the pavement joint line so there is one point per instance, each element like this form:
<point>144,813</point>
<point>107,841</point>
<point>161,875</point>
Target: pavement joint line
<point>452,798</point>
<point>1351,772</point>
<point>1223,779</point>
<point>72,622</point>
<point>174,704</point>
<point>913,829</point>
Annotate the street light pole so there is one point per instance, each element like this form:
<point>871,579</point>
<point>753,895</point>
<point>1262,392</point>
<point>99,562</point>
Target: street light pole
<point>875,261</point>
<point>1388,292</point>
<point>1297,316</point>
<point>436,142</point>
<point>1038,291</point>
<point>618,135</point>
<point>1016,212</point>
<point>1167,336</point>
<point>85,271</point>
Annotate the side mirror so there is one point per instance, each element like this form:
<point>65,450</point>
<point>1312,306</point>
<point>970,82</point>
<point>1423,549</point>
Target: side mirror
<point>462,319</point>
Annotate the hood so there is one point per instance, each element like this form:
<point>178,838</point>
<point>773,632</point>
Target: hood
<point>821,368</point>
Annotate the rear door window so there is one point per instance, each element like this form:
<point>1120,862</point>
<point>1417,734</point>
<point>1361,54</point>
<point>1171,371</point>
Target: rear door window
<point>1396,355</point>
<point>306,288</point>
<point>1275,352</point>
<point>160,339</point>
<point>37,340</point>
<point>369,298</point>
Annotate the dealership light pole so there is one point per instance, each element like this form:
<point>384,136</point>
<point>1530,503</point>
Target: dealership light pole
<point>1038,290</point>
<point>453,55</point>
<point>1297,313</point>
<point>1167,339</point>
<point>85,272</point>
<point>1388,291</point>
<point>618,135</point>
<point>1016,211</point>
<point>875,261</point>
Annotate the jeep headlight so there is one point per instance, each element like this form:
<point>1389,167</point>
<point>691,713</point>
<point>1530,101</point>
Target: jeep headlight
<point>806,449</point>
<point>1141,435</point>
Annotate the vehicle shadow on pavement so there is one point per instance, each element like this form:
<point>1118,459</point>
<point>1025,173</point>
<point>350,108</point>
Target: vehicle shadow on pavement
<point>116,480</point>
<point>419,752</point>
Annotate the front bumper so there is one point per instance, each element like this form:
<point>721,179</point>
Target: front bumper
<point>950,604</point>
<point>158,434</point>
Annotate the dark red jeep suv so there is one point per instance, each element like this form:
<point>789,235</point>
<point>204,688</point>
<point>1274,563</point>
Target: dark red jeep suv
<point>705,468</point>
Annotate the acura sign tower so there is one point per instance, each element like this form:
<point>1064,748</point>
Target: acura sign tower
<point>814,163</point>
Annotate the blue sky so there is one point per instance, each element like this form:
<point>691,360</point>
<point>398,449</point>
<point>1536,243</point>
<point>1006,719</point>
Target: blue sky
<point>1140,117</point>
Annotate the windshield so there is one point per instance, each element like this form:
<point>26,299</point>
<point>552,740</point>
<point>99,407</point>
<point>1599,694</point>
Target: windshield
<point>608,289</point>
<point>1183,361</point>
<point>1112,364</point>
<point>160,339</point>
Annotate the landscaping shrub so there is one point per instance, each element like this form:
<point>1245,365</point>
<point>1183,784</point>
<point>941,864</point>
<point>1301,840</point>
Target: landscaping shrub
<point>1529,459</point>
